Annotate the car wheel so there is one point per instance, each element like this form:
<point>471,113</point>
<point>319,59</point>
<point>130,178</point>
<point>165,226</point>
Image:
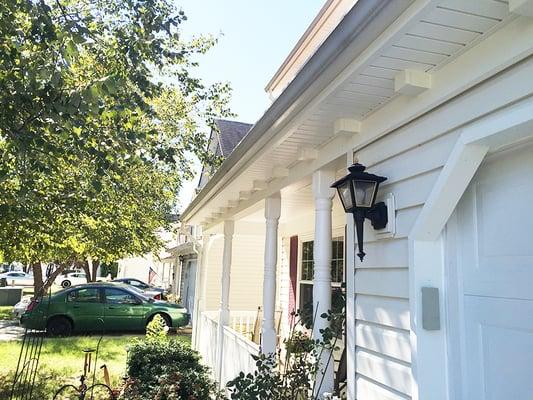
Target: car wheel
<point>66,283</point>
<point>59,326</point>
<point>165,317</point>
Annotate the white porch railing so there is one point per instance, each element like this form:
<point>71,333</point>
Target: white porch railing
<point>244,322</point>
<point>237,349</point>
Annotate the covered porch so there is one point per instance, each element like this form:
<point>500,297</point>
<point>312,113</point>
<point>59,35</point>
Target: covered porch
<point>283,253</point>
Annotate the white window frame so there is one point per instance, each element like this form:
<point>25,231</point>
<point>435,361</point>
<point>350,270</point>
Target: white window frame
<point>337,232</point>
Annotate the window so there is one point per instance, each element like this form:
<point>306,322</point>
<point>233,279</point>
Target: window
<point>87,295</point>
<point>117,296</point>
<point>138,284</point>
<point>337,261</point>
<point>307,272</point>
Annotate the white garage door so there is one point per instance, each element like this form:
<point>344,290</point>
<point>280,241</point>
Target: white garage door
<point>494,253</point>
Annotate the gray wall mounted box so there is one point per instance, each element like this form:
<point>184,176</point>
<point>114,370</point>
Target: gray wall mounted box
<point>430,309</point>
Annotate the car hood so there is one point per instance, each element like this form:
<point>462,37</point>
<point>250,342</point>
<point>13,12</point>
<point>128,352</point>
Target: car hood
<point>167,304</point>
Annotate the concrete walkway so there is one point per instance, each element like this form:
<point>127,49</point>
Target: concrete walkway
<point>10,330</point>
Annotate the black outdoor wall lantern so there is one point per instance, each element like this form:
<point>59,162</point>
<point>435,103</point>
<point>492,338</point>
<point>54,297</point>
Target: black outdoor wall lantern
<point>358,191</point>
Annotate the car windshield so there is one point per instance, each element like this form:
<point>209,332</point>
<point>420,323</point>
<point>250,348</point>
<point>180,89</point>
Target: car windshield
<point>138,284</point>
<point>138,293</point>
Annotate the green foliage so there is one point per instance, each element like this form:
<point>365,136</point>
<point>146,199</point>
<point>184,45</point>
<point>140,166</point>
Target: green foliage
<point>109,268</point>
<point>298,378</point>
<point>6,312</point>
<point>157,328</point>
<point>101,115</point>
<point>166,369</point>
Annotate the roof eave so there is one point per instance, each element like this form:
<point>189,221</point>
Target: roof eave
<point>360,19</point>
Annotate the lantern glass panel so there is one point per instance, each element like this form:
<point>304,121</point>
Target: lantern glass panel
<point>364,193</point>
<point>346,196</point>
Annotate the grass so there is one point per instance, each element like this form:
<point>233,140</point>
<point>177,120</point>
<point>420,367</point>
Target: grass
<point>64,356</point>
<point>5,312</point>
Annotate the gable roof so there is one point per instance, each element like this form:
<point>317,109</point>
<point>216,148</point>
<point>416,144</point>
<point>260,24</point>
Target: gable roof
<point>222,141</point>
<point>230,133</point>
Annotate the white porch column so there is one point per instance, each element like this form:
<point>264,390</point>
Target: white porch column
<point>223,319</point>
<point>200,289</point>
<point>322,179</point>
<point>272,214</point>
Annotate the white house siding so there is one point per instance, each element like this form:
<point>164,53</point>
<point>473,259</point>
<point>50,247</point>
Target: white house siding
<point>246,286</point>
<point>135,267</point>
<point>284,282</point>
<point>383,354</point>
<point>411,158</point>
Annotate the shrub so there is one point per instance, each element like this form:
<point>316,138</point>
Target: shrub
<point>165,369</point>
<point>157,328</point>
<point>298,378</point>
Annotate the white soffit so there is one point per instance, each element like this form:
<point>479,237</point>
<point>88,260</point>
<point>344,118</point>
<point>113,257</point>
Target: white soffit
<point>429,41</point>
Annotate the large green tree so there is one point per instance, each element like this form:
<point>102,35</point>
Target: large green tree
<point>100,115</point>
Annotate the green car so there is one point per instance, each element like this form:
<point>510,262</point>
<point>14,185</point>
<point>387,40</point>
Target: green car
<point>99,307</point>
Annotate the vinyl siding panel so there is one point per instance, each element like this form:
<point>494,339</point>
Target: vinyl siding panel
<point>389,341</point>
<point>387,371</point>
<point>389,282</point>
<point>283,285</point>
<point>390,253</point>
<point>368,389</point>
<point>213,274</point>
<point>246,286</point>
<point>383,311</point>
<point>383,353</point>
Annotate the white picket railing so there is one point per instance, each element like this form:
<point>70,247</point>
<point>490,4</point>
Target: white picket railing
<point>237,349</point>
<point>244,322</point>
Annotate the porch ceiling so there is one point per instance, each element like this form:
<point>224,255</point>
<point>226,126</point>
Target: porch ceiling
<point>426,37</point>
<point>296,203</point>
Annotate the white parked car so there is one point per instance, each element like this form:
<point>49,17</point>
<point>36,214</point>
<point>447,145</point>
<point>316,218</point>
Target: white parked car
<point>73,278</point>
<point>18,278</point>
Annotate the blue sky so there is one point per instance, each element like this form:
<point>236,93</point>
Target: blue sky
<point>257,35</point>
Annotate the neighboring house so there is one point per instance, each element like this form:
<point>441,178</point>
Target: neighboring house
<point>437,96</point>
<point>157,269</point>
<point>222,141</point>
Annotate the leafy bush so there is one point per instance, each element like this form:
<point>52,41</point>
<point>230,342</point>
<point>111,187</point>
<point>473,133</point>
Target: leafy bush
<point>157,328</point>
<point>299,377</point>
<point>165,369</point>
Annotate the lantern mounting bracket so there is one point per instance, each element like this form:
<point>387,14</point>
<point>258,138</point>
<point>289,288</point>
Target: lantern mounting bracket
<point>378,215</point>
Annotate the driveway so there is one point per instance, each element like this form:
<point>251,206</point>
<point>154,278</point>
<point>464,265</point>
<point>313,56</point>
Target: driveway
<point>10,330</point>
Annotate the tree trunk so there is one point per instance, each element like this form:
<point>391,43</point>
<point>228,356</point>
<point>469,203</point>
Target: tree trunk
<point>37,279</point>
<point>95,266</point>
<point>50,280</point>
<point>85,266</point>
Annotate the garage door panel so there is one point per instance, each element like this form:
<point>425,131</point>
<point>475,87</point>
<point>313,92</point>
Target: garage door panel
<point>499,348</point>
<point>492,350</point>
<point>497,230</point>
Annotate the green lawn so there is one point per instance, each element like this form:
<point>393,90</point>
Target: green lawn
<point>5,312</point>
<point>64,356</point>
